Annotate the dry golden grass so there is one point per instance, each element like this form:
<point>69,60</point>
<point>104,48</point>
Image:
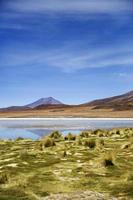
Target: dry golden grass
<point>30,173</point>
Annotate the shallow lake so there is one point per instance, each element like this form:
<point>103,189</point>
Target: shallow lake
<point>35,128</point>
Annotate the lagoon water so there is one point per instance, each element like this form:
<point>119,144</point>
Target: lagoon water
<point>36,128</point>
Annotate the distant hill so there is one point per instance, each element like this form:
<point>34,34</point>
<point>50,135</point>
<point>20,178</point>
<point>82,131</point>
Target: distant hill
<point>44,101</point>
<point>117,106</point>
<point>121,102</point>
<point>14,108</point>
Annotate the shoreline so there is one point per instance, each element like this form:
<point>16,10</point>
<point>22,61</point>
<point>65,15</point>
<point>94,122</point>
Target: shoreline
<point>71,119</point>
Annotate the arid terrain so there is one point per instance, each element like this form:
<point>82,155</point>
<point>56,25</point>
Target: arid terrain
<point>72,111</point>
<point>92,165</point>
<point>118,106</point>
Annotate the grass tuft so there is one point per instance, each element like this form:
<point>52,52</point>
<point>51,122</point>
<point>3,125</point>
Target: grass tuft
<point>91,143</point>
<point>108,160</point>
<point>70,136</point>
<point>4,178</point>
<point>55,135</point>
<point>48,142</point>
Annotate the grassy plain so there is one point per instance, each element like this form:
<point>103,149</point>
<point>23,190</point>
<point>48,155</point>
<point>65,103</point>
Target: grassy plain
<point>100,160</point>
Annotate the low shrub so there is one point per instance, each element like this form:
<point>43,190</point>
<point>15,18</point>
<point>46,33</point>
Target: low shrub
<point>19,138</point>
<point>70,136</point>
<point>108,160</point>
<point>64,153</point>
<point>101,142</point>
<point>55,135</point>
<point>91,143</point>
<point>48,142</point>
<point>3,178</point>
<point>118,132</point>
<point>97,132</point>
<point>84,134</point>
<point>103,133</point>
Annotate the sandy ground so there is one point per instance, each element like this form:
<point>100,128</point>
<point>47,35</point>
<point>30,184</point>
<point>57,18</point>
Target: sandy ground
<point>69,112</point>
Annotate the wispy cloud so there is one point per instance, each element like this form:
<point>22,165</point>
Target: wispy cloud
<point>13,26</point>
<point>119,11</point>
<point>125,77</point>
<point>99,58</point>
<point>68,6</point>
<point>67,60</point>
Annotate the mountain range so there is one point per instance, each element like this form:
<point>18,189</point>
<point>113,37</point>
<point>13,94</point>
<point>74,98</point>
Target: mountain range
<point>52,107</point>
<point>121,102</point>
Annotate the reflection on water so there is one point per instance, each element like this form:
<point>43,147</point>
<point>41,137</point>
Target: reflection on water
<point>42,132</point>
<point>13,133</point>
<point>37,128</point>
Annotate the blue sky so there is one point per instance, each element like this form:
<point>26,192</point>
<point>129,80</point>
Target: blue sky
<point>73,50</point>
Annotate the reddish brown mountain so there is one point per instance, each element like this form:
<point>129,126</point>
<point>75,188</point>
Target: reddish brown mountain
<point>52,107</point>
<point>121,102</point>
